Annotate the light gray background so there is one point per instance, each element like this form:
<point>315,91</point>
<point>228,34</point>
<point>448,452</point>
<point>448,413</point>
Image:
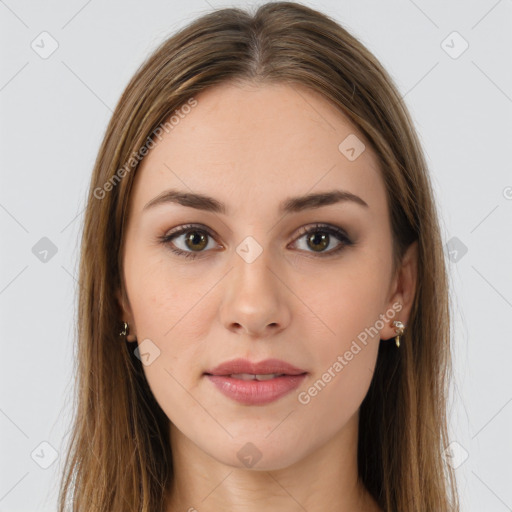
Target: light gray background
<point>54,112</point>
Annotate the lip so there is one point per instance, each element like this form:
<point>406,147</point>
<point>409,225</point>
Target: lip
<point>245,366</point>
<point>254,392</point>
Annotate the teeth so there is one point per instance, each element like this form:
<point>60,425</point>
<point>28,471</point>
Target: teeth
<point>250,376</point>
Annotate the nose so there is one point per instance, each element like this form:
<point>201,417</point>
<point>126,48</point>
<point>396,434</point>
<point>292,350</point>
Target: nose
<point>255,299</point>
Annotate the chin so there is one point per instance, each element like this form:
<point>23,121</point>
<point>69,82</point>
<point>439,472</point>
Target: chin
<point>257,453</point>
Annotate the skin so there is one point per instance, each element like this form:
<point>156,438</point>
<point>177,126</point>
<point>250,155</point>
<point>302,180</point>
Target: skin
<point>251,147</point>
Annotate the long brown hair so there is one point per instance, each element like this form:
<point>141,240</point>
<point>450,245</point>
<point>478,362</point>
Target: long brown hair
<point>119,458</point>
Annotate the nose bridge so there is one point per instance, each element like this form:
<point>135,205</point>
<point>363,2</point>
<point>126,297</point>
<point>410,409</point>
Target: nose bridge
<point>252,272</point>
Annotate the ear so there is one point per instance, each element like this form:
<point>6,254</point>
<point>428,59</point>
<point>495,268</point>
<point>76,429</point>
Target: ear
<point>402,291</point>
<point>126,314</point>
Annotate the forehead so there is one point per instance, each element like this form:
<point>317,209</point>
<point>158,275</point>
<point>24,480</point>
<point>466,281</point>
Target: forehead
<point>260,144</point>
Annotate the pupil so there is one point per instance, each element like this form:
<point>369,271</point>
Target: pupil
<point>316,238</point>
<point>196,238</point>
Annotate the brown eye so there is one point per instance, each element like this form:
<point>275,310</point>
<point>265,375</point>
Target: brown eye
<point>188,241</point>
<point>318,238</point>
<point>196,240</point>
<point>318,241</point>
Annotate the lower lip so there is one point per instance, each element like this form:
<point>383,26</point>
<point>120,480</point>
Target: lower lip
<point>256,392</point>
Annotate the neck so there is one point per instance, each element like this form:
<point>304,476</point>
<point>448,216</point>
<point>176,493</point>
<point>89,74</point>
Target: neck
<point>324,480</point>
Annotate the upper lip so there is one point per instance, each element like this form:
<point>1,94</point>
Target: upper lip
<point>268,366</point>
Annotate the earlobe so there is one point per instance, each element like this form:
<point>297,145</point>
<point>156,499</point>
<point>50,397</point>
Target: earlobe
<point>126,319</point>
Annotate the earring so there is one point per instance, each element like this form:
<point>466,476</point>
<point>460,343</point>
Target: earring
<point>124,331</point>
<point>399,330</point>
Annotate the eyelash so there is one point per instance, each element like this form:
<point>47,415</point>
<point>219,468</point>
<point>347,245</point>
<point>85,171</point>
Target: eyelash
<point>323,228</point>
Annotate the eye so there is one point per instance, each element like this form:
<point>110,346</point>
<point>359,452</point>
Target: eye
<point>194,240</point>
<point>320,236</point>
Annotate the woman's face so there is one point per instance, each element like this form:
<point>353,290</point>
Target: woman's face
<point>255,285</point>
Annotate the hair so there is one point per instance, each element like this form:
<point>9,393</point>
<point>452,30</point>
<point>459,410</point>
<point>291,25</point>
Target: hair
<point>119,455</point>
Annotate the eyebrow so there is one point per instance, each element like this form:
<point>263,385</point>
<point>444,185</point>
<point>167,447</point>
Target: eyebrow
<point>289,205</point>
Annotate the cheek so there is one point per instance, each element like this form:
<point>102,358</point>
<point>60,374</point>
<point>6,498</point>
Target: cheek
<point>168,310</point>
<point>165,300</point>
<point>345,353</point>
<point>346,299</point>
<point>166,307</point>
<point>345,331</point>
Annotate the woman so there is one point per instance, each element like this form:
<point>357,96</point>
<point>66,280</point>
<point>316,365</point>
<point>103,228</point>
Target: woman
<point>261,231</point>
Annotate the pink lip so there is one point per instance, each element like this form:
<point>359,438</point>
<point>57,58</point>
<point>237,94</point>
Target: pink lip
<point>246,366</point>
<point>254,392</point>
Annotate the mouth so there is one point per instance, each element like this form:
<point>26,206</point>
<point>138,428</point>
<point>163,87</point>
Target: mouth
<point>256,389</point>
<point>251,383</point>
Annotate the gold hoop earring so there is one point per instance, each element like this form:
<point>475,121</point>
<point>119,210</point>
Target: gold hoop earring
<point>399,330</point>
